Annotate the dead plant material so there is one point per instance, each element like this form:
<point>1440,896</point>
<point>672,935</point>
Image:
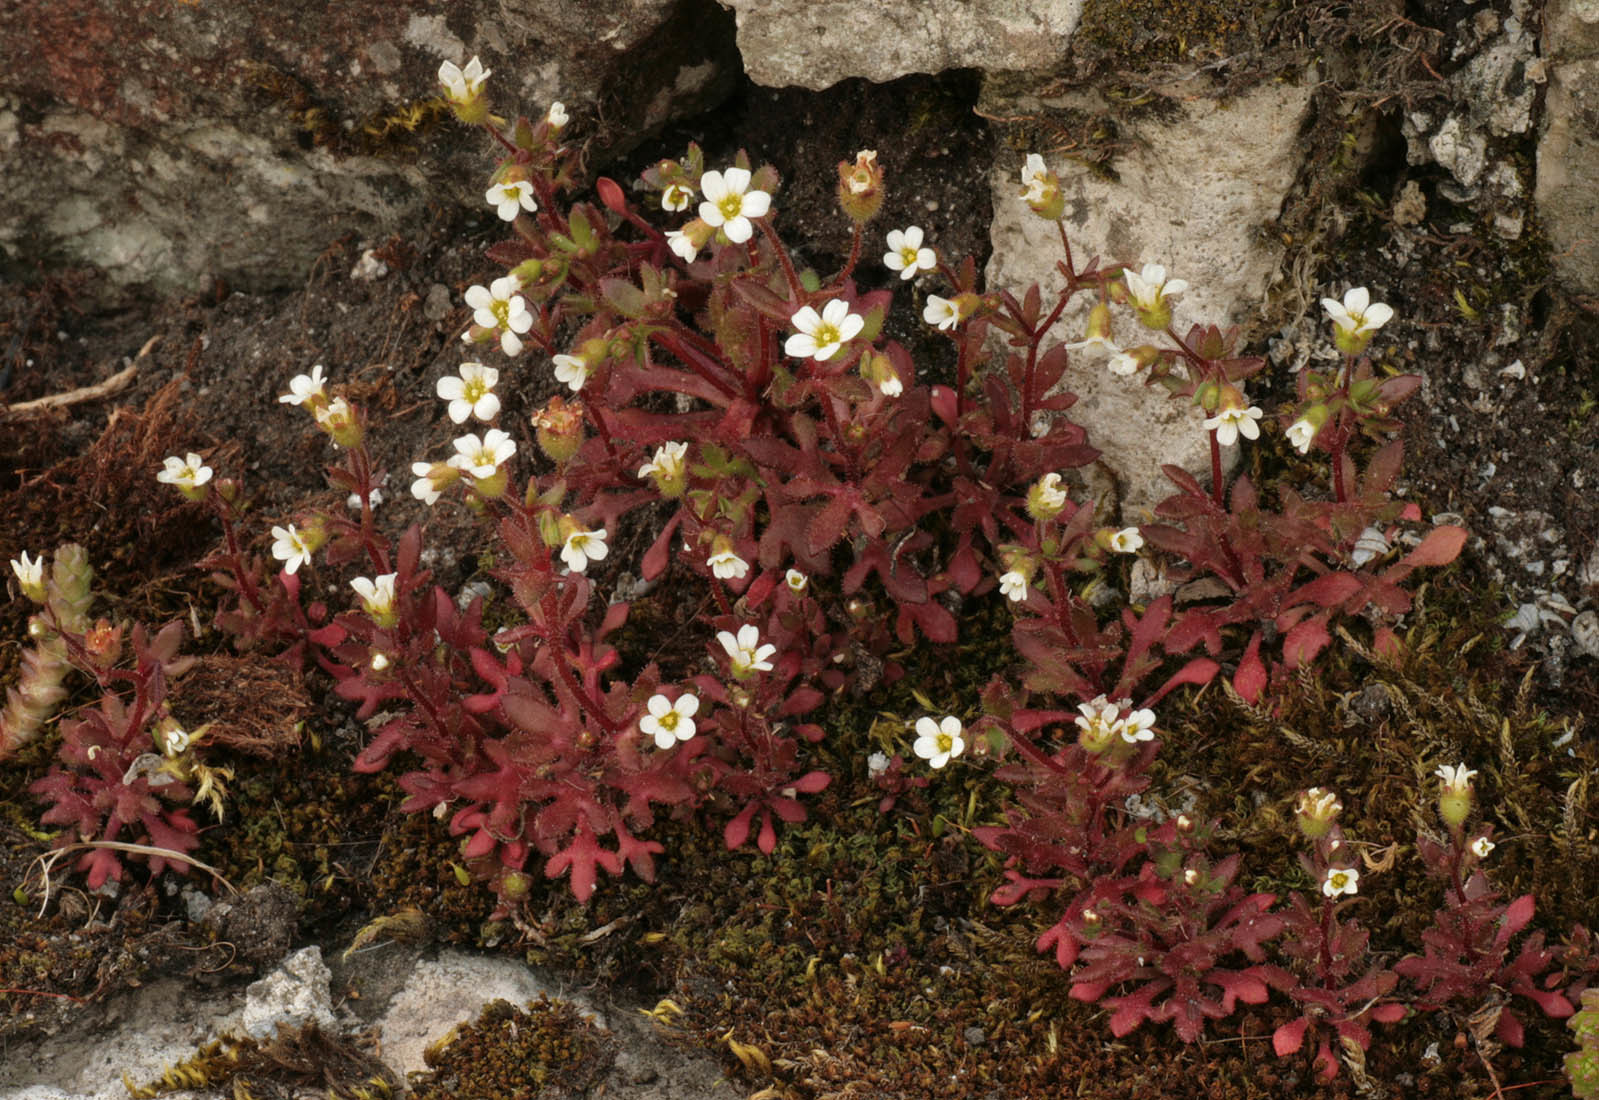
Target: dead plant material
<point>248,706</point>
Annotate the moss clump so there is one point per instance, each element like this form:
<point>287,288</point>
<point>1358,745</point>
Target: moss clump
<point>1136,34</point>
<point>290,1062</point>
<point>547,1049</point>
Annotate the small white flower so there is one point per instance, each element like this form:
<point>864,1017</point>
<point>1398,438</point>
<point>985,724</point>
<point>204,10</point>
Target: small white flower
<point>676,197</point>
<point>306,387</point>
<point>425,488</point>
<point>1357,316</point>
<point>186,473</point>
<point>1233,421</point>
<point>727,565</point>
<point>1341,880</point>
<point>1457,778</point>
<point>820,336</point>
<point>1137,726</point>
<point>1123,364</point>
<point>891,386</point>
<point>906,254</point>
<point>471,393</point>
<point>290,548</point>
<point>1099,719</point>
<point>1013,585</point>
<point>1301,433</point>
<point>582,547</point>
<point>1035,179</point>
<point>174,741</point>
<point>876,765</point>
<point>511,198</point>
<point>939,742</point>
<point>680,243</point>
<point>796,581</point>
<point>941,312</point>
<point>1127,541</point>
<point>379,662</point>
<point>557,116</point>
<point>1482,846</point>
<point>30,575</point>
<point>573,370</point>
<point>745,650</point>
<point>377,596</point>
<point>729,204</point>
<point>498,306</point>
<point>1148,288</point>
<point>462,85</point>
<point>667,463</point>
<point>670,722</point>
<point>1051,497</point>
<point>482,458</point>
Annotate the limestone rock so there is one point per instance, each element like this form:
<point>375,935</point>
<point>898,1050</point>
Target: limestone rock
<point>1191,196</point>
<point>173,144</point>
<point>1568,149</point>
<point>293,995</point>
<point>820,42</point>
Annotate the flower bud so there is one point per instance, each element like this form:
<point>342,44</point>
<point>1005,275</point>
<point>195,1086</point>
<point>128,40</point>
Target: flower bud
<point>341,423</point>
<point>878,370</point>
<point>1454,795</point>
<point>860,186</point>
<point>1302,432</point>
<point>1041,189</point>
<point>558,427</point>
<point>463,89</point>
<point>1316,812</point>
<point>103,643</point>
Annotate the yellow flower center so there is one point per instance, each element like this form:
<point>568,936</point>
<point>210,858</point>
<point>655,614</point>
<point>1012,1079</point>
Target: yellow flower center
<point>907,255</point>
<point>945,742</point>
<point>502,312</point>
<point>669,721</point>
<point>825,335</point>
<point>731,206</point>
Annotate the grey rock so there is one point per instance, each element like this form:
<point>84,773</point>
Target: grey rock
<point>1568,154</point>
<point>820,42</point>
<point>293,995</point>
<point>1191,195</point>
<point>172,145</point>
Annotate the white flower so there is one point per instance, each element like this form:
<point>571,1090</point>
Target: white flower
<point>729,204</point>
<point>728,565</point>
<point>1357,316</point>
<point>890,386</point>
<point>377,596</point>
<point>670,722</point>
<point>676,197</point>
<point>1148,288</point>
<point>1127,541</point>
<point>306,387</point>
<point>1341,880</point>
<point>796,581</point>
<point>680,243</point>
<point>482,458</point>
<point>1232,421</point>
<point>1123,364</point>
<point>1457,778</point>
<point>582,547</point>
<point>174,740</point>
<point>941,312</point>
<point>1051,497</point>
<point>289,547</point>
<point>379,662</point>
<point>939,742</point>
<point>1035,179</point>
<point>1137,726</point>
<point>30,575</point>
<point>471,393</point>
<point>462,85</point>
<point>745,650</point>
<point>1301,433</point>
<point>820,336</point>
<point>511,198</point>
<point>426,488</point>
<point>1482,846</point>
<point>573,370</point>
<point>906,254</point>
<point>186,473</point>
<point>1013,585</point>
<point>498,306</point>
<point>1098,719</point>
<point>876,765</point>
<point>557,116</point>
<point>667,463</point>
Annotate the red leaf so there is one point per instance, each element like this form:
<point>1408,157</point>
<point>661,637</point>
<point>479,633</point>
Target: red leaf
<point>1327,590</point>
<point>611,194</point>
<point>1290,1037</point>
<point>767,840</point>
<point>581,857</point>
<point>738,830</point>
<point>943,400</point>
<point>1250,679</point>
<point>1304,641</point>
<point>1519,914</point>
<point>1388,1013</point>
<point>1441,546</point>
<point>1509,1029</point>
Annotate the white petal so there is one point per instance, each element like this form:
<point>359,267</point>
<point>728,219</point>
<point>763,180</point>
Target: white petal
<point>757,204</point>
<point>806,320</point>
<point>714,188</point>
<point>737,180</point>
<point>739,230</point>
<point>1356,299</point>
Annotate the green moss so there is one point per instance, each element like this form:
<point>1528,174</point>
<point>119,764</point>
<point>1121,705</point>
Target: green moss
<point>513,1054</point>
<point>1135,34</point>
